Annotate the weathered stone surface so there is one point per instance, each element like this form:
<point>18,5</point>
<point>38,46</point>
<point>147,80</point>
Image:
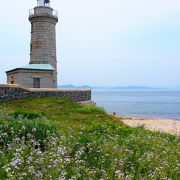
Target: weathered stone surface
<point>87,103</point>
<point>14,92</point>
<point>24,77</point>
<point>43,39</point>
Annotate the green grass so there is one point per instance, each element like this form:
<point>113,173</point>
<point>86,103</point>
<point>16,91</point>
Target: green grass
<point>90,110</point>
<point>27,114</point>
<point>55,138</point>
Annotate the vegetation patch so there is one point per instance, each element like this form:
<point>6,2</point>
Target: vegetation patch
<point>27,114</point>
<point>71,143</point>
<point>91,110</point>
<point>10,129</point>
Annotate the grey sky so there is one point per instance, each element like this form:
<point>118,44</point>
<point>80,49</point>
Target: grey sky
<point>101,42</point>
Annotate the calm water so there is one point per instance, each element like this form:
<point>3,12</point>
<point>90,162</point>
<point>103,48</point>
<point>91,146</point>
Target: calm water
<point>163,104</point>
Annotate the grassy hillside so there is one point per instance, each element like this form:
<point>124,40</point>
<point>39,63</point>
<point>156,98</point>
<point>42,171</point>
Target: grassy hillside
<point>53,138</point>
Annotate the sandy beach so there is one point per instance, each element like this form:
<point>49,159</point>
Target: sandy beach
<point>155,124</point>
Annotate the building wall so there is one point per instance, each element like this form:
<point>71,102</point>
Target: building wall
<point>25,78</point>
<point>13,76</point>
<point>43,38</point>
<point>15,92</point>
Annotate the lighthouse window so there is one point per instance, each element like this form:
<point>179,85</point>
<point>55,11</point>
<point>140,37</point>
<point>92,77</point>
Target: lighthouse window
<point>30,47</point>
<point>31,27</point>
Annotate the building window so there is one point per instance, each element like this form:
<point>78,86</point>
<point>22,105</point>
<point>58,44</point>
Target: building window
<point>36,82</point>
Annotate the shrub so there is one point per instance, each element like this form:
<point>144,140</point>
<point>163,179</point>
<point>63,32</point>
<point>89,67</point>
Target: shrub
<point>91,110</point>
<point>27,114</point>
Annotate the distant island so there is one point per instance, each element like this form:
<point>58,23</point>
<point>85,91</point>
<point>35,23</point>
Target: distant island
<point>133,88</point>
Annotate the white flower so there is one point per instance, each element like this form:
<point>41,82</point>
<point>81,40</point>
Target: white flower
<point>16,162</point>
<point>34,130</point>
<point>23,128</point>
<point>61,150</point>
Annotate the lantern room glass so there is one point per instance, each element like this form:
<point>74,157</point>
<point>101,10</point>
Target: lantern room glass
<point>43,2</point>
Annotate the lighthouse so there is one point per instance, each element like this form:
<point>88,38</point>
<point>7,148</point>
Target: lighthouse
<point>43,36</point>
<point>42,69</point>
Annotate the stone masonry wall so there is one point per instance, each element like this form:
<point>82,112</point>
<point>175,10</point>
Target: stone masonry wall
<point>43,38</point>
<point>14,92</point>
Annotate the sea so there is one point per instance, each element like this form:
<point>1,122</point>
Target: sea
<point>158,104</point>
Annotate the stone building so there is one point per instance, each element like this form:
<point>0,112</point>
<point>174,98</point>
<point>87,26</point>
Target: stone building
<point>42,69</point>
<point>32,76</point>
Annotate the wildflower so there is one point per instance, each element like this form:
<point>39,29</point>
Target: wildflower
<point>10,146</point>
<point>17,139</point>
<point>34,130</point>
<point>16,162</point>
<point>31,170</point>
<point>23,128</point>
<point>39,174</point>
<point>29,135</point>
<point>67,159</point>
<point>61,150</point>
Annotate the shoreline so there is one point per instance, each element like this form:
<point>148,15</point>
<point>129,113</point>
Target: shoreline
<point>163,125</point>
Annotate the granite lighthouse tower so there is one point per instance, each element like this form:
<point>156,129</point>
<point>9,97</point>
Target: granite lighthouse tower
<point>43,36</point>
<point>42,69</point>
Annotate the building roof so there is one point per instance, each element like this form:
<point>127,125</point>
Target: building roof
<point>41,67</point>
